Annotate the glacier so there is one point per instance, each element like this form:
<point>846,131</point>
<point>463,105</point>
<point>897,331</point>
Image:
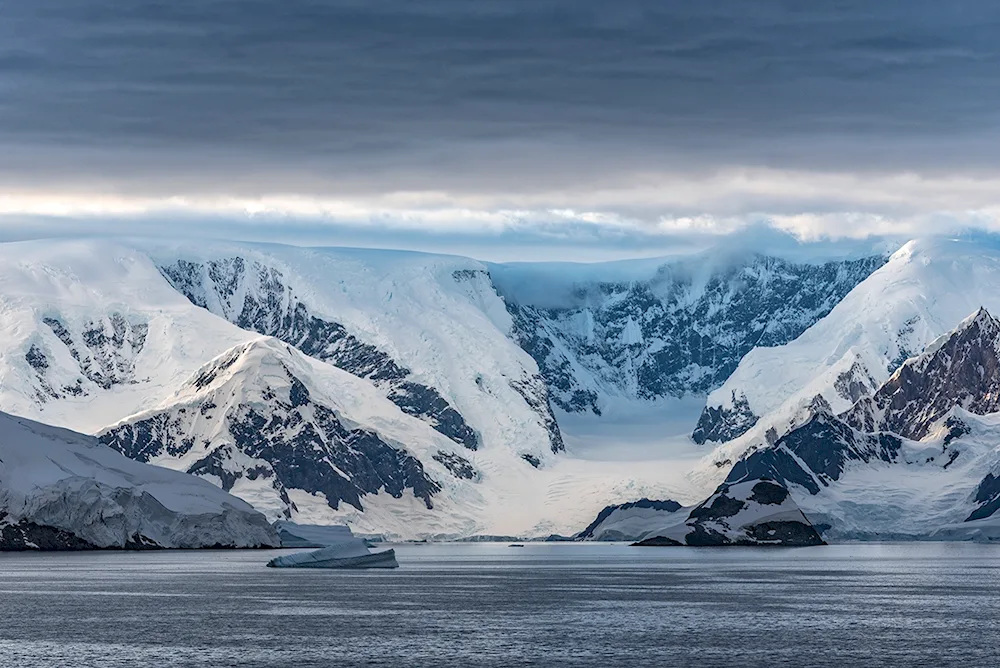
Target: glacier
<point>63,490</point>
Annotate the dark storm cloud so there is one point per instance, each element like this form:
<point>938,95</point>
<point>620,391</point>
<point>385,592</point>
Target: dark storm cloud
<point>607,127</point>
<point>518,94</point>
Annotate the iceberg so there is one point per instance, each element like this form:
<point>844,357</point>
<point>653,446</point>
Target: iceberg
<point>342,550</point>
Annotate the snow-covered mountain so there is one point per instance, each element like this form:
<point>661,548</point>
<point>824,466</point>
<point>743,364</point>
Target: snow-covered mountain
<point>430,331</point>
<point>961,368</point>
<point>60,490</point>
<point>93,333</point>
<point>916,459</point>
<point>304,440</point>
<point>922,292</point>
<point>90,332</point>
<point>400,391</point>
<point>647,330</point>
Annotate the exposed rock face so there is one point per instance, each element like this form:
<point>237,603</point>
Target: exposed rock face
<point>758,512</point>
<point>27,535</point>
<point>988,498</point>
<point>856,383</point>
<point>257,297</point>
<point>678,333</point>
<point>103,353</point>
<point>815,454</point>
<point>248,420</point>
<point>532,390</point>
<point>960,369</point>
<point>719,423</point>
<point>459,466</point>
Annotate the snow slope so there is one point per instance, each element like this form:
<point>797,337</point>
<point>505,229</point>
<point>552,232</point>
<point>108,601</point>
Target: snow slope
<point>63,490</point>
<point>90,332</point>
<point>926,288</point>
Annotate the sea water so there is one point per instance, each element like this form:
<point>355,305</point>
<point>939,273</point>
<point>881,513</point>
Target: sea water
<point>918,604</point>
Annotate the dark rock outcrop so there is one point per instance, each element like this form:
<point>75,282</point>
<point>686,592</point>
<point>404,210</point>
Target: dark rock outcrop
<point>748,513</point>
<point>961,368</point>
<point>718,423</point>
<point>459,466</point>
<point>815,454</point>
<point>25,535</point>
<point>988,498</point>
<point>103,350</point>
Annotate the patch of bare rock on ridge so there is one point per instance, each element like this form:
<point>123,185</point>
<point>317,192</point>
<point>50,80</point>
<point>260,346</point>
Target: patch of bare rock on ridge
<point>760,514</point>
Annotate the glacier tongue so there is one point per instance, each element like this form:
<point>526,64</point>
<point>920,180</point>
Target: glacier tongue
<point>63,490</point>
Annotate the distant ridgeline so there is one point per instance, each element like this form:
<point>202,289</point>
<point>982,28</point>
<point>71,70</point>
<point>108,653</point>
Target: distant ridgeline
<point>679,330</point>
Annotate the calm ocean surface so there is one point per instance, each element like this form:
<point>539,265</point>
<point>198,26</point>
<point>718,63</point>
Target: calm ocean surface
<point>493,605</point>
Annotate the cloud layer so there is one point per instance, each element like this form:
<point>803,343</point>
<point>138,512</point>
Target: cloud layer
<point>461,117</point>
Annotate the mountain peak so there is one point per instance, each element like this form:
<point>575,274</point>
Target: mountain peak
<point>960,368</point>
<point>978,327</point>
<point>981,318</point>
<point>255,358</point>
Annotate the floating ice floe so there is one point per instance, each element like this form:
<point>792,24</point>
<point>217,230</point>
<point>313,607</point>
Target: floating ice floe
<point>343,550</point>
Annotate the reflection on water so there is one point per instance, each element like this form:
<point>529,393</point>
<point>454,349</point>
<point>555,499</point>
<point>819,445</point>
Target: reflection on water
<point>489,605</point>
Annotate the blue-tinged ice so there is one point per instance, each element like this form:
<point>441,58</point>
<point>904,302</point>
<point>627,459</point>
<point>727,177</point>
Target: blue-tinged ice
<point>342,550</point>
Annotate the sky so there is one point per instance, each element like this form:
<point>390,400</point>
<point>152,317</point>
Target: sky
<point>510,129</point>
